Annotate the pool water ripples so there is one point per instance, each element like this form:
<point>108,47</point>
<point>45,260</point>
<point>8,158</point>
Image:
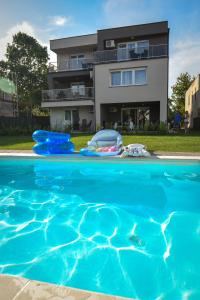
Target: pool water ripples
<point>124,229</point>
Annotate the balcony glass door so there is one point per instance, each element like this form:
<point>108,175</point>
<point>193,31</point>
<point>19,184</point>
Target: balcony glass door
<point>132,50</point>
<point>76,62</point>
<point>124,49</point>
<point>78,89</point>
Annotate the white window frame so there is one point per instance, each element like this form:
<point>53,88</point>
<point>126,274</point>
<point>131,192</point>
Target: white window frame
<point>133,77</point>
<point>77,56</point>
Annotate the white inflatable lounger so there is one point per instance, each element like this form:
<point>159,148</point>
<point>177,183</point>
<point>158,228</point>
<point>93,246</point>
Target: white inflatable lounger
<point>135,150</point>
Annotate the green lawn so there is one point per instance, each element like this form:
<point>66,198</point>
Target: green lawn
<point>173,143</point>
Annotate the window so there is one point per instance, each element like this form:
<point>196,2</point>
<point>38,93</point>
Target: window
<point>115,78</point>
<point>140,77</point>
<point>129,77</point>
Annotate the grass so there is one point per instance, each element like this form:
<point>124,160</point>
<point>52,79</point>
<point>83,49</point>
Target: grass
<point>171,143</point>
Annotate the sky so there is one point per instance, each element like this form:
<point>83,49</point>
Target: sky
<point>49,19</point>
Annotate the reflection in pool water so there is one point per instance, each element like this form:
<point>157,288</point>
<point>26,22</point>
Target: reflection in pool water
<point>124,229</point>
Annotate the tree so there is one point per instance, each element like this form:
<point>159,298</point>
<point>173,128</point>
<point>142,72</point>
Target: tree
<point>177,102</point>
<point>3,69</point>
<point>170,110</point>
<point>27,60</point>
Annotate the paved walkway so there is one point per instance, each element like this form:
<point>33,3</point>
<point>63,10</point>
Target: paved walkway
<point>18,288</point>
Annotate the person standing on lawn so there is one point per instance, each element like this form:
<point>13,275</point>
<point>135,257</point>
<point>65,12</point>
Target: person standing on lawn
<point>177,120</point>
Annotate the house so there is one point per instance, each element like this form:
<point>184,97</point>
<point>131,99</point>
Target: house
<point>7,105</point>
<point>192,103</point>
<point>109,77</point>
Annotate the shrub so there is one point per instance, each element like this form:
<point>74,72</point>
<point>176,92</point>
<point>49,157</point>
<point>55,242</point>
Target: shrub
<point>162,127</point>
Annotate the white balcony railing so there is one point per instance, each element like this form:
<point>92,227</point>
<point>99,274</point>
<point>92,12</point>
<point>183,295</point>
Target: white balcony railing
<point>82,93</point>
<point>122,54</point>
<point>71,65</point>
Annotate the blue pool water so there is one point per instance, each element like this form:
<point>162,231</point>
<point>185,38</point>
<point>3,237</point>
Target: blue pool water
<point>130,228</point>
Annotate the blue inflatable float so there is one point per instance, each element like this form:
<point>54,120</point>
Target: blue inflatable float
<point>49,142</point>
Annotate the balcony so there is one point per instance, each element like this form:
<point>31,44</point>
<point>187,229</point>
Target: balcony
<point>7,97</point>
<point>71,94</point>
<point>72,65</point>
<point>123,54</point>
<point>115,55</point>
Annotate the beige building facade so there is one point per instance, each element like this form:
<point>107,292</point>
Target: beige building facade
<point>154,90</point>
<point>111,77</point>
<point>192,103</point>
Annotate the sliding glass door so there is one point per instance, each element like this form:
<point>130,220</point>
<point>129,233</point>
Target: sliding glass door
<point>138,115</point>
<point>72,118</point>
<point>129,114</point>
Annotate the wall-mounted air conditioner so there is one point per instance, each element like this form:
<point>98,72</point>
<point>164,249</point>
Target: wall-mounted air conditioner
<point>110,44</point>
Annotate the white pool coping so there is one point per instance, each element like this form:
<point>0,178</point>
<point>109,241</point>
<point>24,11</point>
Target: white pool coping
<point>178,157</point>
<point>18,154</point>
<point>172,156</point>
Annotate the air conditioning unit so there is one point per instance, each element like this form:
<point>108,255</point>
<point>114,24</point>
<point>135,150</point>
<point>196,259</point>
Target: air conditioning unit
<point>110,44</point>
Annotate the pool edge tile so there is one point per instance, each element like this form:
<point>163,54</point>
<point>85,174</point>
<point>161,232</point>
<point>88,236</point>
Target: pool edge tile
<point>10,286</point>
<point>19,288</point>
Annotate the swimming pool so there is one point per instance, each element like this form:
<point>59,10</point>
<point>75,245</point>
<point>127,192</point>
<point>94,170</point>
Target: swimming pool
<point>124,228</point>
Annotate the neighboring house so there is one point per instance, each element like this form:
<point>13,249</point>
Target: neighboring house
<point>7,105</point>
<point>192,103</point>
<point>113,76</point>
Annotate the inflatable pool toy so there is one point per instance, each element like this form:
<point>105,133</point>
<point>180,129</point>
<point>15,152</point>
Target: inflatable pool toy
<point>135,150</point>
<point>104,143</point>
<point>49,142</point>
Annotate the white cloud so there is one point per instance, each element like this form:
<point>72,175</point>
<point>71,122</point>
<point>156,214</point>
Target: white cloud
<point>61,20</point>
<point>185,57</point>
<point>52,55</point>
<point>23,27</point>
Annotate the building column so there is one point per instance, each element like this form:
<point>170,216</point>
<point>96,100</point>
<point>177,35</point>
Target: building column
<point>163,111</point>
<point>98,115</point>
